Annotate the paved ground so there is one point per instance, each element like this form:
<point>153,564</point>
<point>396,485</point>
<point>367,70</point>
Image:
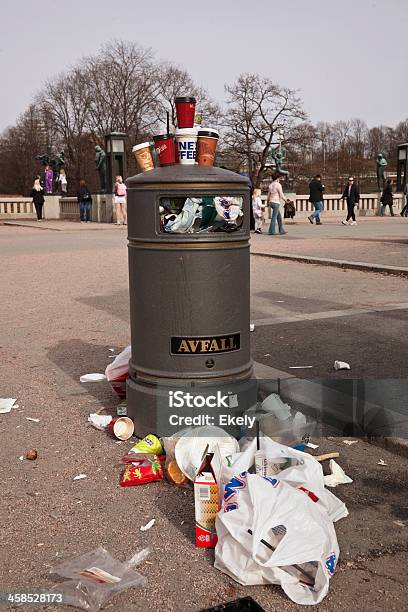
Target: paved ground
<point>64,305</point>
<point>373,240</point>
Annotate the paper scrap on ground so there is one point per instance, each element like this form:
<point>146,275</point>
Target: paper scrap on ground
<point>33,420</point>
<point>350,442</point>
<point>251,327</point>
<point>112,350</point>
<point>94,377</point>
<point>21,457</point>
<point>6,404</point>
<point>341,365</point>
<point>337,476</point>
<point>299,367</point>
<point>148,525</point>
<point>311,445</point>
<point>99,421</point>
<point>381,462</point>
<point>80,477</point>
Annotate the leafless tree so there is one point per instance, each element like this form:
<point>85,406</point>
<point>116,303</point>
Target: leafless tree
<point>257,111</point>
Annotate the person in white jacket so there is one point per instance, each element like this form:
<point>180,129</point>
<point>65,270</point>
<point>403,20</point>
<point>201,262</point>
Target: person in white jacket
<point>258,209</point>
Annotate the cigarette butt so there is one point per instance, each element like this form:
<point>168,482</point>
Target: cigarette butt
<point>327,456</point>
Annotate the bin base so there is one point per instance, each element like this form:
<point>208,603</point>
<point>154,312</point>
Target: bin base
<point>164,409</point>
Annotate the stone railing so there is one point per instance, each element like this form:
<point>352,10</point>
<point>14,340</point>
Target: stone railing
<point>369,205</point>
<point>69,209</point>
<point>17,208</point>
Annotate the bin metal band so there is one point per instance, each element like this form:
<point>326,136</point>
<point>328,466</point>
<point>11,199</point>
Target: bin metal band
<point>139,375</point>
<point>156,246</point>
<point>185,186</point>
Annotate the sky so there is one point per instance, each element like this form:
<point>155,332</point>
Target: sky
<point>347,58</point>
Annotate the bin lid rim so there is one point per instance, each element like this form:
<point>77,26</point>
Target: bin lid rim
<point>180,173</point>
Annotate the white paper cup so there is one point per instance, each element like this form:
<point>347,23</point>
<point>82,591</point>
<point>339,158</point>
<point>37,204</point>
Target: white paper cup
<point>186,140</point>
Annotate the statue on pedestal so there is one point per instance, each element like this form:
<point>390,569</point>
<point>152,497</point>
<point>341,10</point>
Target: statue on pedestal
<point>277,157</point>
<point>381,173</point>
<point>100,163</point>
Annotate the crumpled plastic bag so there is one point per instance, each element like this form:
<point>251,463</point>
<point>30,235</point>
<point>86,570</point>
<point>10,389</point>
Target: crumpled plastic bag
<point>269,533</point>
<point>337,475</point>
<point>96,577</point>
<point>117,372</point>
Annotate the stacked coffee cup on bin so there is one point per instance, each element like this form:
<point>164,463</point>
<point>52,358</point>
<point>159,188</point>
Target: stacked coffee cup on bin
<point>187,146</point>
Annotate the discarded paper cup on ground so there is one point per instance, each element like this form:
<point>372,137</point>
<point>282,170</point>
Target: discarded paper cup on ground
<point>143,156</point>
<point>269,466</point>
<point>165,147</point>
<point>186,145</point>
<point>122,428</point>
<point>185,110</point>
<point>206,146</point>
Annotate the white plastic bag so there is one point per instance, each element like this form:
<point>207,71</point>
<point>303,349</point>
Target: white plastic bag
<point>304,473</point>
<point>95,577</point>
<point>270,533</point>
<point>119,368</point>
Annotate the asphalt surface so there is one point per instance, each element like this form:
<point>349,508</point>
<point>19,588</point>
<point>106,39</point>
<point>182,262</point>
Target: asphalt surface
<point>64,305</point>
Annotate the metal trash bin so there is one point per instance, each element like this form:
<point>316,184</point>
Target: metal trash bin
<point>189,287</point>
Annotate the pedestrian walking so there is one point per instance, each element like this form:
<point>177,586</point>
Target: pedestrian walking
<point>316,190</point>
<point>404,211</point>
<point>120,200</point>
<point>275,200</point>
<point>387,198</point>
<point>258,209</point>
<point>62,182</point>
<point>37,193</point>
<point>351,194</point>
<point>84,200</point>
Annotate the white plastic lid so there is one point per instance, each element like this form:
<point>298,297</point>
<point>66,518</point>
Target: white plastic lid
<point>186,132</point>
<point>143,145</point>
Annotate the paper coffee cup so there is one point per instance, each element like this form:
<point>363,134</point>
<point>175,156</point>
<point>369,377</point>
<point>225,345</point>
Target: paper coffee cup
<point>122,428</point>
<point>206,146</point>
<point>185,110</point>
<point>165,148</point>
<point>143,156</point>
<point>268,466</point>
<point>186,145</point>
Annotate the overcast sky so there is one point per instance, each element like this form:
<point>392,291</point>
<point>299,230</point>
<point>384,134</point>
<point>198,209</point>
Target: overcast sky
<point>348,58</point>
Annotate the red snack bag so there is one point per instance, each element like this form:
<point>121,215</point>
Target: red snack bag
<point>143,471</point>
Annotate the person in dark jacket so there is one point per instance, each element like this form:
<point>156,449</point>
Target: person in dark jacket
<point>316,190</point>
<point>404,211</point>
<point>84,200</point>
<point>37,193</point>
<point>351,193</point>
<point>386,198</point>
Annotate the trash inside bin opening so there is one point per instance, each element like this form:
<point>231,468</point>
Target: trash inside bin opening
<point>198,213</point>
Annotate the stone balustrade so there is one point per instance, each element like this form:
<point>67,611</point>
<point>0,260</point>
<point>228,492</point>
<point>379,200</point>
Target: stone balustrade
<point>17,208</point>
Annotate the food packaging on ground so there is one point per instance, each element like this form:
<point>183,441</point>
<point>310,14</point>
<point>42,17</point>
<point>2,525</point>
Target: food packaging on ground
<point>117,372</point>
<point>122,428</point>
<point>149,444</point>
<point>143,471</point>
<point>206,503</point>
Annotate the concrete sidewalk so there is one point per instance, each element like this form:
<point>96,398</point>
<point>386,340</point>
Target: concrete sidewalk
<point>63,226</point>
<point>378,244</point>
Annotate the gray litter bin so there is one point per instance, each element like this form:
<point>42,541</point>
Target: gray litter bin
<point>188,232</point>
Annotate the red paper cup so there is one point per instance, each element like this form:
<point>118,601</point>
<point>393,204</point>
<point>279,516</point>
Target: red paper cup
<point>165,148</point>
<point>185,109</point>
<point>122,428</point>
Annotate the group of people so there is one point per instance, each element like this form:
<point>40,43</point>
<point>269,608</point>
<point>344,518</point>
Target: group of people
<point>84,198</point>
<point>351,193</point>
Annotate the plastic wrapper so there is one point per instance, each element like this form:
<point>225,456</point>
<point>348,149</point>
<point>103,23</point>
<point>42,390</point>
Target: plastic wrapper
<point>142,471</point>
<point>117,372</point>
<point>95,577</point>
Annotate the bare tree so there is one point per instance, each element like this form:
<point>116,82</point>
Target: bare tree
<point>174,81</point>
<point>257,111</point>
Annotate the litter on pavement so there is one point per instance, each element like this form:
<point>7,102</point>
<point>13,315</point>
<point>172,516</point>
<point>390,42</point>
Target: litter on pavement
<point>337,476</point>
<point>80,477</point>
<point>31,454</point>
<point>327,456</point>
<point>95,577</point>
<point>341,365</point>
<point>251,327</point>
<point>148,525</point>
<point>382,462</point>
<point>33,420</point>
<point>94,377</point>
<point>6,404</point>
<point>350,442</point>
<point>99,421</point>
